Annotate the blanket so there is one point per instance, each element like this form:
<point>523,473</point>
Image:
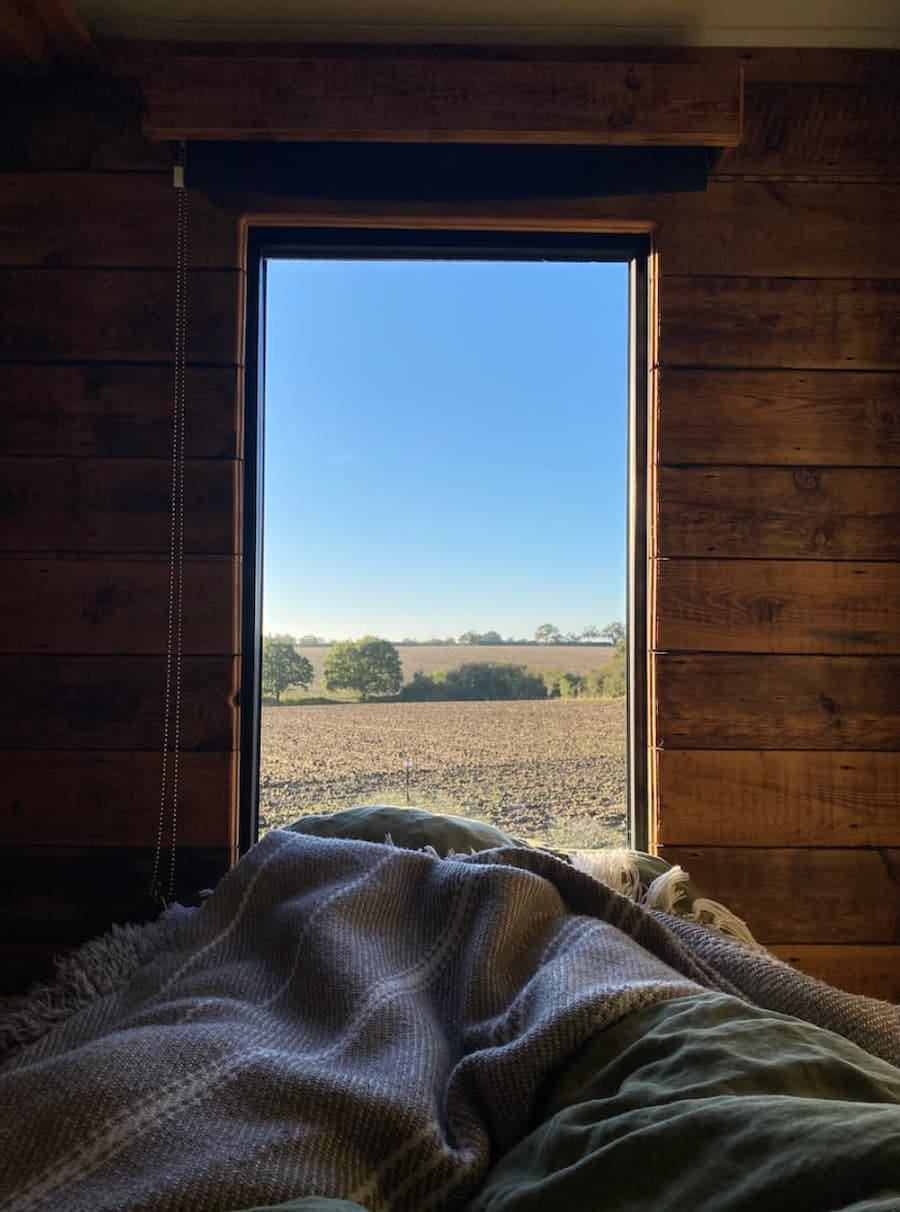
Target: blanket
<point>351,1020</point>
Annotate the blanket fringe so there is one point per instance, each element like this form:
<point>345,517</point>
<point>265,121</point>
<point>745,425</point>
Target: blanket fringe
<point>619,870</point>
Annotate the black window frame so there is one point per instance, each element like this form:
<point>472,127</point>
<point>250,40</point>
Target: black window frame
<point>379,243</point>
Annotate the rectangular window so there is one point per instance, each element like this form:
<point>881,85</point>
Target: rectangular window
<point>447,526</point>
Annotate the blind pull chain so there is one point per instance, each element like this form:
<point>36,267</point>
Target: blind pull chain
<point>171,739</point>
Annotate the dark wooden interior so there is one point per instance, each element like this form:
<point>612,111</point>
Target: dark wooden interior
<point>775,569</point>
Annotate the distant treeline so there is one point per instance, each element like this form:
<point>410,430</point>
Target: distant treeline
<point>492,680</point>
<point>547,633</point>
<point>371,667</point>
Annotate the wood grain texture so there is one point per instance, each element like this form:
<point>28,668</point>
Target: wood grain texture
<point>803,129</point>
<point>778,798</point>
<point>742,228</point>
<point>773,64</point>
<point>779,512</point>
<point>424,100</point>
<point>65,798</point>
<point>778,606</point>
<point>126,315</point>
<point>75,123</point>
<point>802,896</point>
<point>780,323</point>
<point>91,605</point>
<point>791,417</point>
<point>117,411</point>
<point>114,702</point>
<point>751,228</point>
<point>66,895</point>
<point>115,505</point>
<point>873,971</point>
<point>726,701</point>
<point>108,219</point>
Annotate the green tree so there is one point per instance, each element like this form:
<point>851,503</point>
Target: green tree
<point>615,675</point>
<point>283,666</point>
<point>613,632</point>
<point>547,633</point>
<point>481,637</point>
<point>369,666</point>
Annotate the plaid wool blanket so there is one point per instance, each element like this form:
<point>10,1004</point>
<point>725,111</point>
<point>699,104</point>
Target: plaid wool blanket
<point>346,1019</point>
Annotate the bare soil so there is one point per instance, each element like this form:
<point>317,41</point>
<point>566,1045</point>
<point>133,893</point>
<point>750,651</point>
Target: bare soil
<point>549,771</point>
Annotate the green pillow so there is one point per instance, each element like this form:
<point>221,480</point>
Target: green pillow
<point>408,828</point>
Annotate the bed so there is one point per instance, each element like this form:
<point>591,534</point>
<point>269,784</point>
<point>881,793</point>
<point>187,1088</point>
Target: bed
<point>387,1010</point>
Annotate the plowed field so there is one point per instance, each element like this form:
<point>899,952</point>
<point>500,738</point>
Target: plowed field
<point>550,771</point>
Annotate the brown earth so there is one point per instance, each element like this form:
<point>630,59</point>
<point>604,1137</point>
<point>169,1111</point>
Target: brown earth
<point>571,658</point>
<point>549,771</point>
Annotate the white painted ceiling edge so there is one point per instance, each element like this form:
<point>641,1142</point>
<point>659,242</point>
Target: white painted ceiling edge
<point>810,23</point>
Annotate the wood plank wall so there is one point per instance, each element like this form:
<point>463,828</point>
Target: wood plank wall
<point>777,578</point>
<point>87,226</point>
<point>776,565</point>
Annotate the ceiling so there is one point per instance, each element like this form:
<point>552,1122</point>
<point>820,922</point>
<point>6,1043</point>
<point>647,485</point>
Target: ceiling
<point>847,23</point>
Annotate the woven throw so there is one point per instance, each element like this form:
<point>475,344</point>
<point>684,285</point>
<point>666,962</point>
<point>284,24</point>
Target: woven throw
<point>347,1019</point>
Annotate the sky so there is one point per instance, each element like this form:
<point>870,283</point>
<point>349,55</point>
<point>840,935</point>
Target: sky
<point>445,447</point>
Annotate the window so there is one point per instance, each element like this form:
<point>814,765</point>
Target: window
<point>442,400</point>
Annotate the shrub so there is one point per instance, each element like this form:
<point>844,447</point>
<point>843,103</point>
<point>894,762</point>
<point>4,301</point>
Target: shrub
<point>476,681</point>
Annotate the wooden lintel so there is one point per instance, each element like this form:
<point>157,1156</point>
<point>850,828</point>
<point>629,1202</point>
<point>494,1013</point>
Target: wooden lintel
<point>439,100</point>
<point>40,34</point>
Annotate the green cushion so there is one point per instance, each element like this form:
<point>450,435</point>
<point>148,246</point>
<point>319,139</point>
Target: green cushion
<point>408,828</point>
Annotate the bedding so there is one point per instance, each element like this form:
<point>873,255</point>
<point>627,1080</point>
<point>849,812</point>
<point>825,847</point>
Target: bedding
<point>348,1024</point>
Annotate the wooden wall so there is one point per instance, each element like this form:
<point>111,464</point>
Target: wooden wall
<point>776,560</point>
<point>777,571</point>
<point>87,218</point>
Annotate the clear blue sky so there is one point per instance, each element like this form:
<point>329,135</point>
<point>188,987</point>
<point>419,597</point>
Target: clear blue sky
<point>445,447</point>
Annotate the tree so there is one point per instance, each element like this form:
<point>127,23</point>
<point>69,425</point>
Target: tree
<point>591,632</point>
<point>547,633</point>
<point>369,666</point>
<point>469,637</point>
<point>613,632</point>
<point>481,637</point>
<point>283,666</point>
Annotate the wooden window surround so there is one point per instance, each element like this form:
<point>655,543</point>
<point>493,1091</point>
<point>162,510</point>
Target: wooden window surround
<point>419,100</point>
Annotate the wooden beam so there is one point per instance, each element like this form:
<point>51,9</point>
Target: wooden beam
<point>437,100</point>
<point>801,896</point>
<point>118,315</point>
<point>66,798</point>
<point>778,798</point>
<point>804,130</point>
<point>39,34</point>
<point>803,513</point>
<point>789,606</point>
<point>111,411</point>
<point>114,702</point>
<point>114,220</point>
<point>841,418</point>
<point>116,606</point>
<point>730,701</point>
<point>117,505</point>
<point>780,323</point>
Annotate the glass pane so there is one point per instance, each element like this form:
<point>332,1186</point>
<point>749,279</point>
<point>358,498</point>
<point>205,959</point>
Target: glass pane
<point>446,471</point>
